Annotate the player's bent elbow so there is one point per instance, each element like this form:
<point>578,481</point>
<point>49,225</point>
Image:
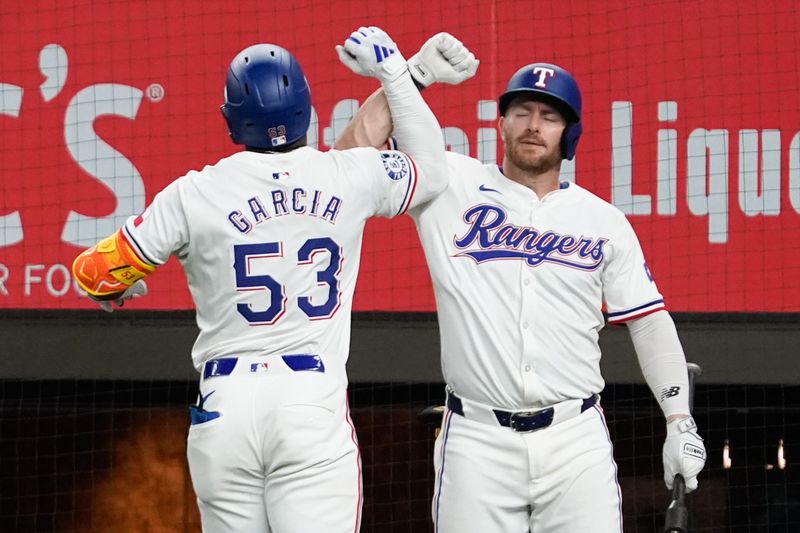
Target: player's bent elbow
<point>438,180</point>
<point>430,186</point>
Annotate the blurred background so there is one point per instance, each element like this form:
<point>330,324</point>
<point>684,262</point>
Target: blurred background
<point>691,127</point>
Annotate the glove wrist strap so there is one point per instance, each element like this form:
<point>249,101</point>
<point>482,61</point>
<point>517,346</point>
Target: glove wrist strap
<point>393,67</point>
<point>686,424</point>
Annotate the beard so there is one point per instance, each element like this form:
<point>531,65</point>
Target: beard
<point>538,163</point>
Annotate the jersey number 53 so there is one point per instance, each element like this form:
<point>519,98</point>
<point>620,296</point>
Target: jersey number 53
<point>245,281</point>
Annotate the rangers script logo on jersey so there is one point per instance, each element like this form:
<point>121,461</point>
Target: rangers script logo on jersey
<point>495,240</point>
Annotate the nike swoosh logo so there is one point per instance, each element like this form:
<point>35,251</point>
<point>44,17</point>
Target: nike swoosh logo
<point>204,398</point>
<point>484,188</point>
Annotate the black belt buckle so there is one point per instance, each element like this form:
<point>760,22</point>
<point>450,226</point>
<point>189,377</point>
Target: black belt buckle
<point>527,421</point>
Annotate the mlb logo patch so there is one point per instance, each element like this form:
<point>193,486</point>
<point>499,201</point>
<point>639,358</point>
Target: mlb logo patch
<point>259,367</point>
<point>280,175</point>
<point>396,165</point>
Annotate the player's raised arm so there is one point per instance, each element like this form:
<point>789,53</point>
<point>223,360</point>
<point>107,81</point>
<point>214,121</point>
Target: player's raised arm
<point>442,58</point>
<point>371,52</point>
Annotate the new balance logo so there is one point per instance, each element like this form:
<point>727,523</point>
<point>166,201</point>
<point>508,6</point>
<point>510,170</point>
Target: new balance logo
<point>669,392</point>
<point>381,52</point>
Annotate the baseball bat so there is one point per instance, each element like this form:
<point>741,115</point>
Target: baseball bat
<point>432,416</point>
<point>676,519</point>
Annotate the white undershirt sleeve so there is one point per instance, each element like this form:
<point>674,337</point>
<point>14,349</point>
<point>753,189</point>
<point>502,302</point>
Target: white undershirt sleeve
<point>662,361</point>
<point>418,133</point>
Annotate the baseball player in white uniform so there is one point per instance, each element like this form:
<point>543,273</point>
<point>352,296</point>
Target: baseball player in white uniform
<point>522,265</point>
<point>270,240</point>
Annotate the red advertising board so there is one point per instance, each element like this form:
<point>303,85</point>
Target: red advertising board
<point>691,121</point>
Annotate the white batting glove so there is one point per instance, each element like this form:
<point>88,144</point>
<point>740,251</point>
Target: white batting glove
<point>443,59</point>
<point>134,291</point>
<point>684,453</point>
<point>371,52</point>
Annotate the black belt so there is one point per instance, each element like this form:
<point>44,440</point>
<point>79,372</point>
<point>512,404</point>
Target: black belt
<point>522,421</point>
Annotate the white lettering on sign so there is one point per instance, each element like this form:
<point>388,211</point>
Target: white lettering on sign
<point>709,187</point>
<point>711,192</point>
<point>3,279</point>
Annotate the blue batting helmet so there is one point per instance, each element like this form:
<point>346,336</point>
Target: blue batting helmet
<point>267,99</point>
<point>556,86</point>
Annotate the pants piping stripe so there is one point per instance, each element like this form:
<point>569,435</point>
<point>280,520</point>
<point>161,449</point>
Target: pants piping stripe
<point>616,476</point>
<point>358,462</point>
<point>449,417</point>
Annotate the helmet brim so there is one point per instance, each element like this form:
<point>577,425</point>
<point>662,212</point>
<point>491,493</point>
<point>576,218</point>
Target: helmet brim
<point>561,105</point>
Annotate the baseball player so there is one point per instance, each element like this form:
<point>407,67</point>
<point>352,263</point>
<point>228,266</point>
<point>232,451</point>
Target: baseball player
<point>270,239</point>
<point>522,265</point>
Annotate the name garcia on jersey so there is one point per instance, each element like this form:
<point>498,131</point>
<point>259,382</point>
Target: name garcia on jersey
<point>298,201</point>
<point>490,238</point>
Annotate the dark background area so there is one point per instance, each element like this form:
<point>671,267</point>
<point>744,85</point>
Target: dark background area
<point>83,449</point>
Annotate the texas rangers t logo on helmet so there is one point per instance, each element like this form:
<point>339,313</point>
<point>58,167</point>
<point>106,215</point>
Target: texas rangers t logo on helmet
<point>543,73</point>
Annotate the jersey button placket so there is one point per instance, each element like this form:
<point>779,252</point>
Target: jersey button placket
<point>528,319</point>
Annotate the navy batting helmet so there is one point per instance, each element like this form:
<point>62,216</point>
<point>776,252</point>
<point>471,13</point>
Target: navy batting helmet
<point>267,99</point>
<point>556,86</point>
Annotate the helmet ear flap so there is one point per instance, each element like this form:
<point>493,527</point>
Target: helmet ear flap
<point>569,140</point>
<point>224,110</point>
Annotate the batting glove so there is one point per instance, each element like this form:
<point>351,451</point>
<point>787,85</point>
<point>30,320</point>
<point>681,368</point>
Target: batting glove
<point>134,291</point>
<point>684,453</point>
<point>443,59</point>
<point>371,52</point>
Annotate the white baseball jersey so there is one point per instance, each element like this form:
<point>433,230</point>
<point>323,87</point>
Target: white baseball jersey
<point>270,244</point>
<point>520,283</point>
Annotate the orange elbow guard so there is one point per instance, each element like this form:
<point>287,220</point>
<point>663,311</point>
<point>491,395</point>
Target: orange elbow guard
<point>109,267</point>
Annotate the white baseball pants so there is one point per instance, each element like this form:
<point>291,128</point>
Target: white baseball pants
<point>281,457</point>
<point>558,479</point>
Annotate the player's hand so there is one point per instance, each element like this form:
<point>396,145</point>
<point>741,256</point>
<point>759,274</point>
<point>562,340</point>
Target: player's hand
<point>684,453</point>
<point>371,52</point>
<point>134,291</point>
<point>443,59</point>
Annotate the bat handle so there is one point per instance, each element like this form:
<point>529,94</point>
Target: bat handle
<point>676,519</point>
<point>679,488</point>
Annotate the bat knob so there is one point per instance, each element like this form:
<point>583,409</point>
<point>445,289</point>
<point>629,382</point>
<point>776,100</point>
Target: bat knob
<point>694,368</point>
<point>431,415</point>
<point>677,518</point>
